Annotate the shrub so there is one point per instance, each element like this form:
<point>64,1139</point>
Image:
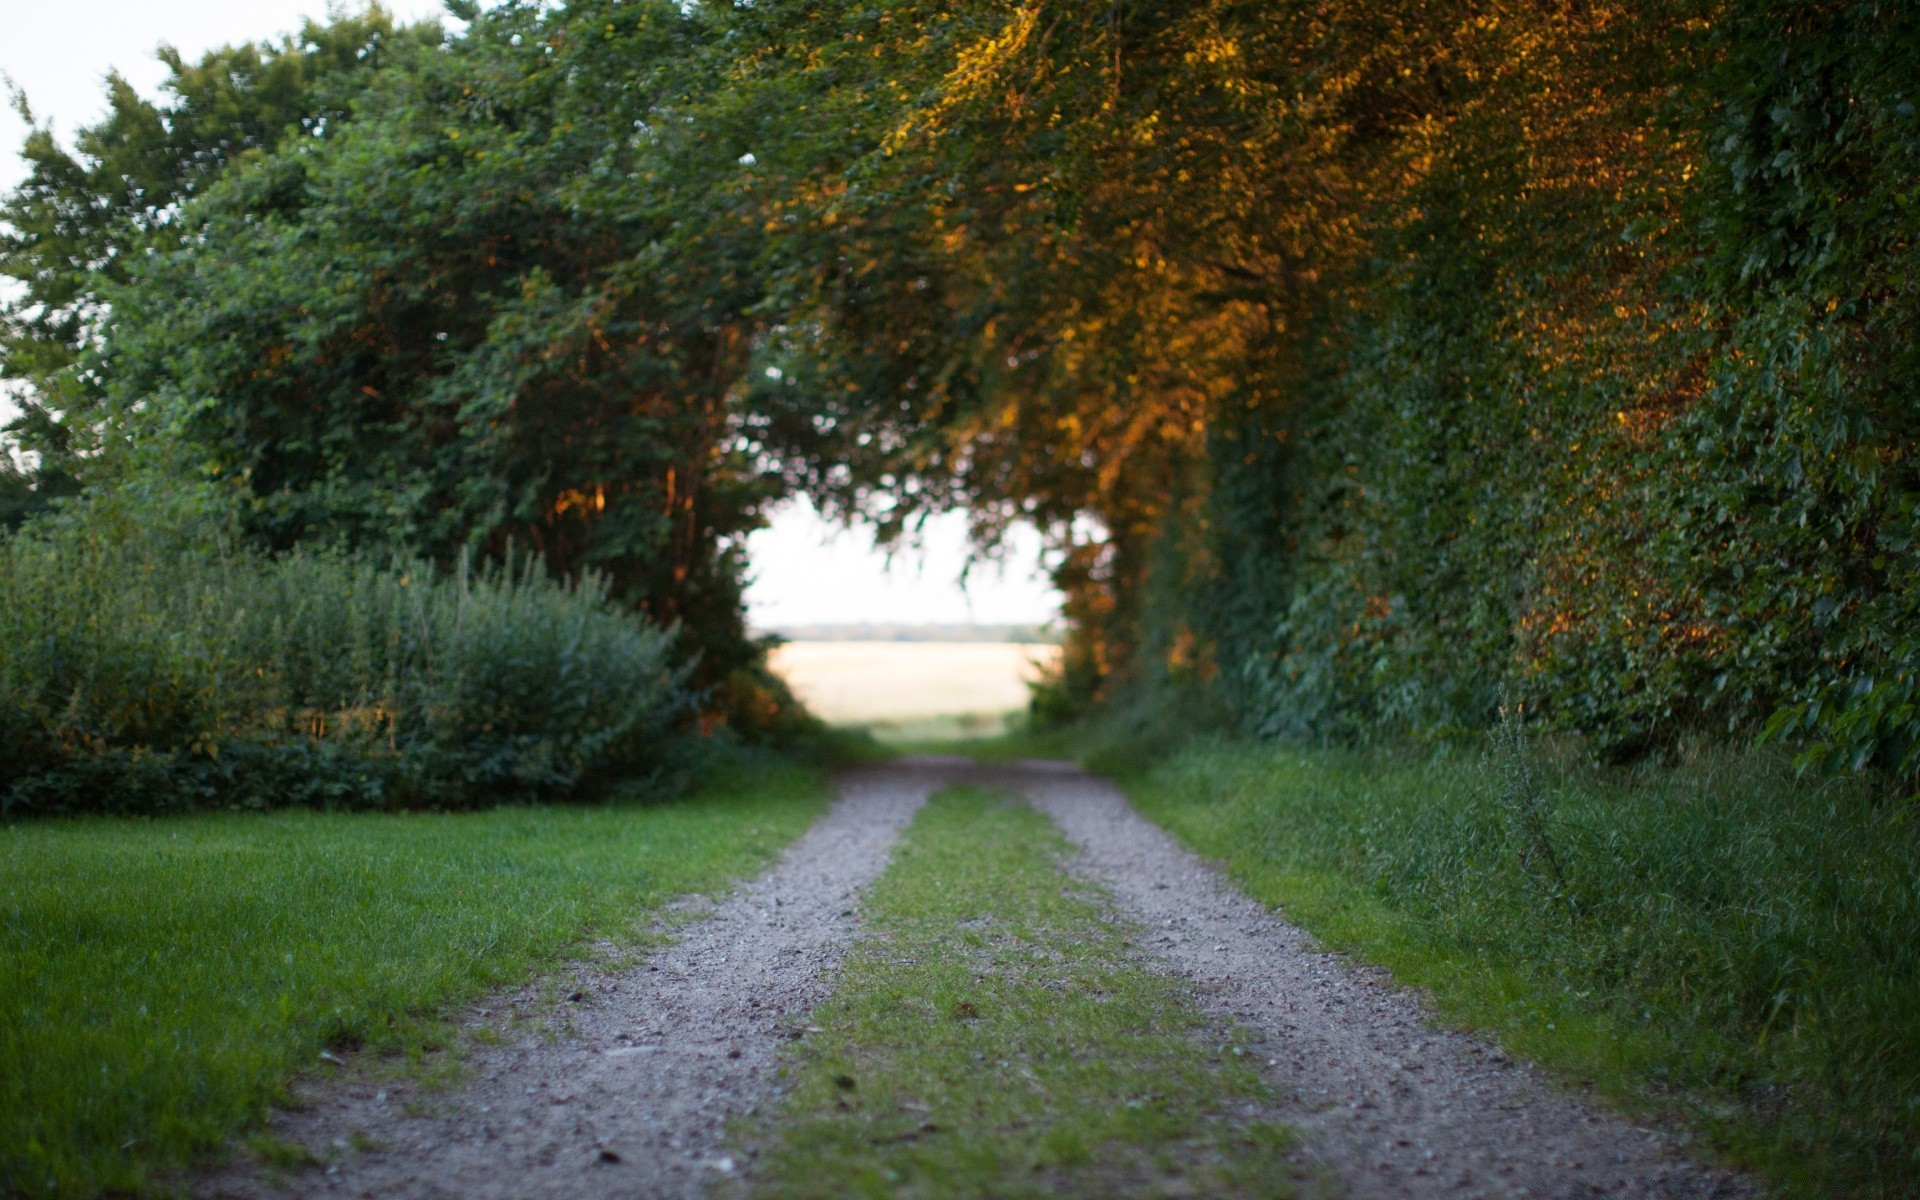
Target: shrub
<point>148,672</point>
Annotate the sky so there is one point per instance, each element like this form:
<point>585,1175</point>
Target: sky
<point>805,571</point>
<point>810,572</point>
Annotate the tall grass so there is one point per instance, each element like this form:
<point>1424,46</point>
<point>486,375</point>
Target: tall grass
<point>1717,939</point>
<point>147,672</point>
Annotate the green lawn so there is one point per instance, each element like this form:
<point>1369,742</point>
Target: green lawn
<point>992,1036</point>
<point>1720,941</point>
<point>161,980</point>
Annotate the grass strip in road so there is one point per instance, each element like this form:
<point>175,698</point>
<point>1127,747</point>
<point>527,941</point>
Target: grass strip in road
<point>994,1035</point>
<point>1718,941</point>
<point>160,980</point>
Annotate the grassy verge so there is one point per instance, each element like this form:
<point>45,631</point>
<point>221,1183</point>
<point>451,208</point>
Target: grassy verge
<point>161,979</point>
<point>992,1037</point>
<point>942,729</point>
<point>1716,941</point>
<point>1018,741</point>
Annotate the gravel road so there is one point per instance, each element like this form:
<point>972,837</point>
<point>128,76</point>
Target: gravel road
<point>627,1091</point>
<point>1389,1103</point>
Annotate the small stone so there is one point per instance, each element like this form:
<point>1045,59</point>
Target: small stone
<point>608,1156</point>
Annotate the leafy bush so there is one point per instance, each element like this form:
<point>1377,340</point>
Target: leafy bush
<point>1622,422</point>
<point>151,671</point>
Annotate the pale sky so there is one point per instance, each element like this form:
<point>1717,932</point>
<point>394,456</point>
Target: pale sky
<point>808,572</point>
<point>805,571</point>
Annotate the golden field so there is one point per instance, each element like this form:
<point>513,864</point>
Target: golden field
<point>868,683</point>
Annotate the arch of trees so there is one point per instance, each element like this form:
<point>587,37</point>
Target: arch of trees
<point>1367,360</point>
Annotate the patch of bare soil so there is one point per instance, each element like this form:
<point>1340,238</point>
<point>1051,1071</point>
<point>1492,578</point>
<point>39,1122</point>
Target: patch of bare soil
<point>626,1090</point>
<point>1389,1103</point>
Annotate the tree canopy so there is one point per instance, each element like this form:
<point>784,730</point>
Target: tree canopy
<point>1366,362</point>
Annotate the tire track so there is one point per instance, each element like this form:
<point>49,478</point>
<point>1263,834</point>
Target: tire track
<point>1388,1102</point>
<point>627,1092</point>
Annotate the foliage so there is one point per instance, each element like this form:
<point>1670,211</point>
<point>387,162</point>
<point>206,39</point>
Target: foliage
<point>1714,941</point>
<point>1364,360</point>
<point>28,488</point>
<point>1600,427</point>
<point>161,981</point>
<point>1361,360</point>
<point>437,297</point>
<point>993,1035</point>
<point>160,668</point>
<point>484,312</point>
<point>80,219</point>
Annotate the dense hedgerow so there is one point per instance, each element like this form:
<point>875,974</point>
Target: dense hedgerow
<point>1615,411</point>
<point>149,672</point>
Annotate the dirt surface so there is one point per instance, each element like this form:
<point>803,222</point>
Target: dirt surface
<point>626,1091</point>
<point>1391,1105</point>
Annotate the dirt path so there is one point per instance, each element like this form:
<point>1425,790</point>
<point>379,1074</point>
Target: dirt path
<point>1391,1106</point>
<point>628,1091</point>
<point>632,1095</point>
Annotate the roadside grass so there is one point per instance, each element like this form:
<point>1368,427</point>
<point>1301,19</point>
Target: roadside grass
<point>161,980</point>
<point>1018,740</point>
<point>992,1035</point>
<point>1716,941</point>
<point>942,728</point>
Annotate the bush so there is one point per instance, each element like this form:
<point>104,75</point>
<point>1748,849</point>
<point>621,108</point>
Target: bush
<point>149,672</point>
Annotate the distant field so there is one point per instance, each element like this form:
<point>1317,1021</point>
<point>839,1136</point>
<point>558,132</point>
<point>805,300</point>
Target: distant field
<point>864,683</point>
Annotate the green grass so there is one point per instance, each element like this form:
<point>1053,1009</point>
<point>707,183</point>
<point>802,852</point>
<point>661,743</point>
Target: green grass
<point>161,980</point>
<point>993,1036</point>
<point>942,728</point>
<point>1724,943</point>
<point>1019,740</point>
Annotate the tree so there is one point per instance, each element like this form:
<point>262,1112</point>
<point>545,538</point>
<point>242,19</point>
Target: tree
<point>82,216</point>
<point>508,303</point>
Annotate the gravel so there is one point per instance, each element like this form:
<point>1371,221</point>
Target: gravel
<point>625,1091</point>
<point>1387,1102</point>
